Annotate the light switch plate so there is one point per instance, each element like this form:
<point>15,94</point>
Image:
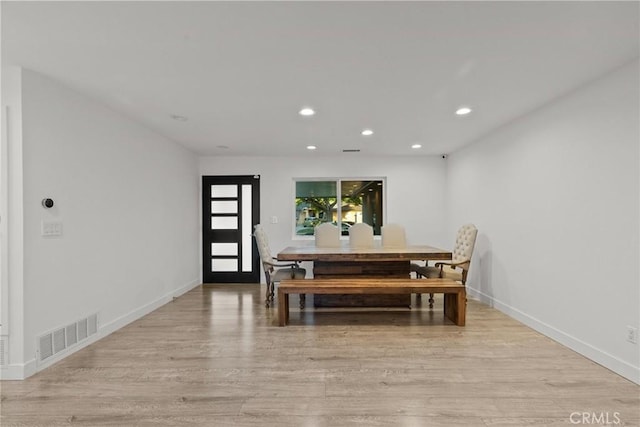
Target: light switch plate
<point>51,228</point>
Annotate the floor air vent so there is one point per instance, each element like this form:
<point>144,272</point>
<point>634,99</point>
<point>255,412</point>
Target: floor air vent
<point>62,338</point>
<point>92,324</point>
<point>4,351</point>
<point>46,346</point>
<point>82,329</point>
<point>71,333</point>
<point>58,341</point>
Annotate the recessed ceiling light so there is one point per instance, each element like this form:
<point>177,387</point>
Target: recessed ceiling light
<point>311,147</point>
<point>306,112</point>
<point>367,132</point>
<point>179,118</point>
<point>463,111</point>
<point>416,146</point>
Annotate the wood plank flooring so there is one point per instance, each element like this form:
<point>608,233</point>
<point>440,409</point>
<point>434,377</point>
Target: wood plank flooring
<point>216,357</point>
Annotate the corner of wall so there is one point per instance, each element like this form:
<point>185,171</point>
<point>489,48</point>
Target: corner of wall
<point>12,222</point>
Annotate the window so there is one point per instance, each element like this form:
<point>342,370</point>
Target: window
<point>316,201</point>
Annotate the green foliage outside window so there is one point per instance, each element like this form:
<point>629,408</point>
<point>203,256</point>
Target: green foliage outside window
<point>317,202</point>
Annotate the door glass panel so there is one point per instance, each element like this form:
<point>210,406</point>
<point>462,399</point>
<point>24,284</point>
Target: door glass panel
<point>224,206</point>
<point>224,223</point>
<point>224,191</point>
<point>224,249</point>
<point>224,264</point>
<point>246,229</point>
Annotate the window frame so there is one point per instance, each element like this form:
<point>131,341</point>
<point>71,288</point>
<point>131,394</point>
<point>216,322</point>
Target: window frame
<point>338,181</point>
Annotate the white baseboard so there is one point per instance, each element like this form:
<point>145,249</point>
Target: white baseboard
<point>23,371</point>
<point>18,371</point>
<point>620,367</point>
<point>120,322</point>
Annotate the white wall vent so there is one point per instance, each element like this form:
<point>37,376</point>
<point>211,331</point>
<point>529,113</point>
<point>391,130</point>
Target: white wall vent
<point>82,329</point>
<point>4,350</point>
<point>62,338</point>
<point>92,322</point>
<point>59,343</point>
<point>71,333</point>
<point>46,346</point>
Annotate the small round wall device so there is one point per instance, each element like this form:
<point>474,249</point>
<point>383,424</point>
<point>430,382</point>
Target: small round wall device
<point>47,203</point>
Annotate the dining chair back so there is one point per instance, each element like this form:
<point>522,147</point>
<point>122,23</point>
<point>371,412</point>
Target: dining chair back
<point>465,243</point>
<point>394,236</point>
<point>327,235</point>
<point>361,235</point>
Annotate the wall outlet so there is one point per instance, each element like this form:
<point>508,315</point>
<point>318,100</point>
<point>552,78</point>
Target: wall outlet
<point>274,220</point>
<point>632,334</point>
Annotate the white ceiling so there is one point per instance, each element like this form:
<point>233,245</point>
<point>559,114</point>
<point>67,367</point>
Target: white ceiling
<point>240,71</point>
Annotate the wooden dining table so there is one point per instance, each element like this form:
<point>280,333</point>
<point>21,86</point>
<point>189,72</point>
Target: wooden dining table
<point>375,262</point>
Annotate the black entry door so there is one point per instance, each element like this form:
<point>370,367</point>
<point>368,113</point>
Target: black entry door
<point>230,209</point>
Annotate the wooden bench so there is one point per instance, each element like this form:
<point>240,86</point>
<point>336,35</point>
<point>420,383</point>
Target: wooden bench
<point>455,295</point>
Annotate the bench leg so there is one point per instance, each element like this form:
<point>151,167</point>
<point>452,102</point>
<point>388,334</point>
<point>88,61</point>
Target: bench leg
<point>283,308</point>
<point>462,308</point>
<point>286,309</point>
<point>455,307</point>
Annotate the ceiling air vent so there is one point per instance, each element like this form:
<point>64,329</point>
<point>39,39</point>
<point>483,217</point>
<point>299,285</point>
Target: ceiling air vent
<point>351,150</point>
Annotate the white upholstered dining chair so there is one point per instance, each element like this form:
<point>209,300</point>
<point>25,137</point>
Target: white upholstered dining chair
<point>327,235</point>
<point>458,268</point>
<point>272,274</point>
<point>394,236</point>
<point>361,235</point>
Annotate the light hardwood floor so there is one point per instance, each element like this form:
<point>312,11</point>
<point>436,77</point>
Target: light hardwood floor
<point>216,357</point>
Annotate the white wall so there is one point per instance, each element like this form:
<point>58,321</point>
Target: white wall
<point>11,210</point>
<point>128,201</point>
<point>555,196</point>
<point>415,189</point>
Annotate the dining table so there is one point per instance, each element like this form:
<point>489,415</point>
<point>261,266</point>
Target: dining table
<point>362,262</point>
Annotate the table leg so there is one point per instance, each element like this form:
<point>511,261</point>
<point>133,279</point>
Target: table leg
<point>283,308</point>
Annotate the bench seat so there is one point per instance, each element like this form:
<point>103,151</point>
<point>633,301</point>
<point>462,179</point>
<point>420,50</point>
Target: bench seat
<point>455,295</point>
